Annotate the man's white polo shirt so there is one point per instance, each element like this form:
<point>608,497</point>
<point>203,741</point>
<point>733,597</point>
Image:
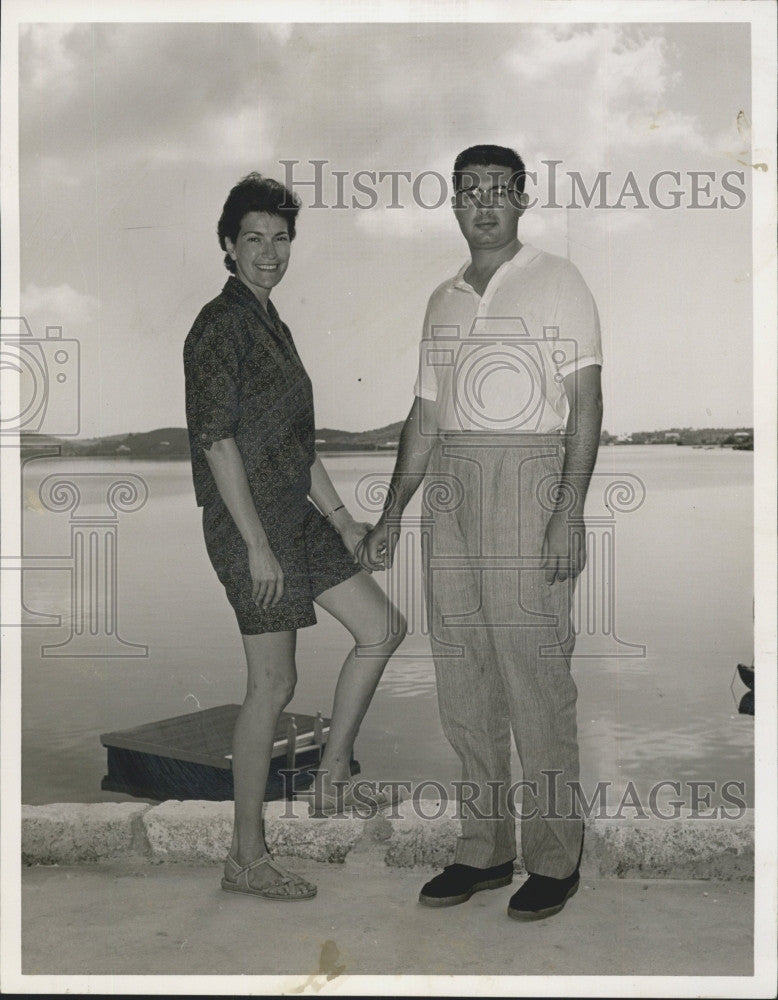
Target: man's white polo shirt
<point>497,362</point>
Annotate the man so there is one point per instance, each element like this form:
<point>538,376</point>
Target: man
<point>505,425</point>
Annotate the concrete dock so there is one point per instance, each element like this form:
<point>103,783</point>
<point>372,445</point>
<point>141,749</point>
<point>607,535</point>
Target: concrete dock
<point>123,919</point>
<point>132,889</point>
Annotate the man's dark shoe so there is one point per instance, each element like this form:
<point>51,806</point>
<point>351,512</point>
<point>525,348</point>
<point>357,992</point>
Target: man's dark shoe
<point>457,883</point>
<point>542,896</point>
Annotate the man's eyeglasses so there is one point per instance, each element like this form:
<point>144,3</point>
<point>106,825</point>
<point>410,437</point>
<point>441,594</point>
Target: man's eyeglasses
<point>493,197</point>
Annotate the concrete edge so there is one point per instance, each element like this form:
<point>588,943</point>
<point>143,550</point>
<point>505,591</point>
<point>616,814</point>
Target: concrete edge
<point>196,832</point>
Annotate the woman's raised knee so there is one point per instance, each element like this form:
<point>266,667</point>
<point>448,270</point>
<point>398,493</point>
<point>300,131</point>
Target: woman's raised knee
<point>387,638</point>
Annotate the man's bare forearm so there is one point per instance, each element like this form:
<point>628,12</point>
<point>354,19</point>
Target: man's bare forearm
<point>413,457</point>
<point>582,440</point>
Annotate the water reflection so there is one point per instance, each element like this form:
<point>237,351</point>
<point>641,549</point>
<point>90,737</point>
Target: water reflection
<point>684,590</point>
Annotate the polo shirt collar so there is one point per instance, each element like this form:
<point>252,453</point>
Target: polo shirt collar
<point>521,258</point>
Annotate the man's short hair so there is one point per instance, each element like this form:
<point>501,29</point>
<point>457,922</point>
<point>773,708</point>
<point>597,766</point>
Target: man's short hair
<point>485,156</point>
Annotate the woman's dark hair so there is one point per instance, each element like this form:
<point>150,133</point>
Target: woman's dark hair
<point>485,156</point>
<point>255,193</point>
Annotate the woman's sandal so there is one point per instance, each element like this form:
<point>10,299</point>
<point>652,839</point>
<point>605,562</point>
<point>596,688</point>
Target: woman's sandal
<point>279,890</point>
<point>346,801</point>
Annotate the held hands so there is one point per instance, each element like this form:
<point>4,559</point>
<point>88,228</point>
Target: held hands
<point>376,550</point>
<point>352,535</point>
<point>267,577</point>
<point>564,548</point>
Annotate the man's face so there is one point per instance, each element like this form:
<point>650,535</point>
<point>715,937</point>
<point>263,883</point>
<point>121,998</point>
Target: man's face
<point>487,208</point>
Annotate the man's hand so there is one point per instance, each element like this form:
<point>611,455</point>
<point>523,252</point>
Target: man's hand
<point>353,534</point>
<point>564,548</point>
<point>376,550</point>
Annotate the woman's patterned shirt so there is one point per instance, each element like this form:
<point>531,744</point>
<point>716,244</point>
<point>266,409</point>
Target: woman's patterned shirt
<point>245,380</point>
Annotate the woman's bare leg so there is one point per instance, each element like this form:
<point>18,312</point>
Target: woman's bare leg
<point>270,685</point>
<point>378,628</point>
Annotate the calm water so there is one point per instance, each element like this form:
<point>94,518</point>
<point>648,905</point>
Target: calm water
<point>683,585</point>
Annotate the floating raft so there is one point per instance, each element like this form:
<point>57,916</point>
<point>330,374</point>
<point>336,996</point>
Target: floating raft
<point>190,756</point>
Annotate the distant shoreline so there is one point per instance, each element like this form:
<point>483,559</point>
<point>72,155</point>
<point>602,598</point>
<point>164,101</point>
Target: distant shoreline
<point>172,443</point>
<point>337,452</point>
<point>185,458</point>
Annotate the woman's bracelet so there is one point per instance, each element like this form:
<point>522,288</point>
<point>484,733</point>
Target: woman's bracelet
<point>335,510</point>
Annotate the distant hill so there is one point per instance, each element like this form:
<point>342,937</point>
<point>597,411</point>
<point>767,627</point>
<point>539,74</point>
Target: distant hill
<point>167,442</point>
<point>173,442</point>
<point>384,437</point>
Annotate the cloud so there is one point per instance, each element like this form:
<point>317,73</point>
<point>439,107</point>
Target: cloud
<point>618,78</point>
<point>621,62</point>
<point>657,130</point>
<point>225,138</point>
<point>48,57</point>
<point>365,96</point>
<point>391,96</point>
<point>119,92</point>
<point>58,305</point>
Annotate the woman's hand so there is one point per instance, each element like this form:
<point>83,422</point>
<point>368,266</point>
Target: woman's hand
<point>267,577</point>
<point>352,534</point>
<point>377,548</point>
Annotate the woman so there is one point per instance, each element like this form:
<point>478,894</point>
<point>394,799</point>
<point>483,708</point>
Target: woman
<point>251,429</point>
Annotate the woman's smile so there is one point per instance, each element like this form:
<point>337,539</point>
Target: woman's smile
<point>261,235</point>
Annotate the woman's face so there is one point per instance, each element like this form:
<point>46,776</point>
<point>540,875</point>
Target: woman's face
<point>261,252</point>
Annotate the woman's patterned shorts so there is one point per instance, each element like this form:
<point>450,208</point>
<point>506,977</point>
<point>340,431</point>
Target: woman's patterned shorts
<point>309,550</point>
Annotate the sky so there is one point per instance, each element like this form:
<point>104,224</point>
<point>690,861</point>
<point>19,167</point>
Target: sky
<point>131,136</point>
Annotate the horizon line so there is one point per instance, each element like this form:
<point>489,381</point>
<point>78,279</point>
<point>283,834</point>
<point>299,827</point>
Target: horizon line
<point>338,430</point>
